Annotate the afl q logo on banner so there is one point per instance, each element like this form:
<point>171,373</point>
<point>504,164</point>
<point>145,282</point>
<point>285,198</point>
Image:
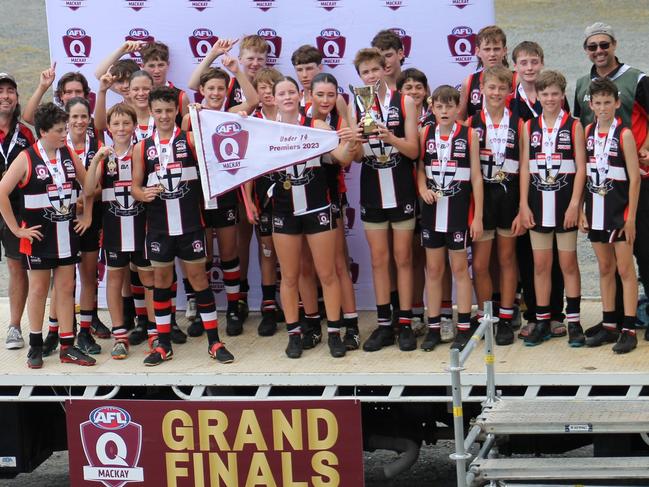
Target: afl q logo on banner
<point>74,4</point>
<point>331,44</point>
<point>264,5</point>
<point>230,142</point>
<point>392,4</point>
<point>406,40</point>
<point>329,5</point>
<point>200,5</point>
<point>112,443</point>
<point>141,35</point>
<point>274,45</point>
<point>136,5</point>
<point>461,43</point>
<point>77,45</point>
<point>201,42</point>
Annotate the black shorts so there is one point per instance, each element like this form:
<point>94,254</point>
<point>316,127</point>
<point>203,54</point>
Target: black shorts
<point>11,243</point>
<point>500,204</point>
<point>338,205</point>
<point>222,217</point>
<point>459,240</point>
<point>316,222</point>
<point>117,259</point>
<point>265,225</point>
<point>36,263</point>
<point>606,236</point>
<point>160,247</point>
<point>381,215</point>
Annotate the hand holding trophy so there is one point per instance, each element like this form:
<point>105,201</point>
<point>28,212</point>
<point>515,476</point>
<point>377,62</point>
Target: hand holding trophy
<point>366,96</point>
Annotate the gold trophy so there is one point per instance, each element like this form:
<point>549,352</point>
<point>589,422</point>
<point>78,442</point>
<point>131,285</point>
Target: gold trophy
<point>366,95</point>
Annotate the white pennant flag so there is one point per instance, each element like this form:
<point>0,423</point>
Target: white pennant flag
<point>232,149</point>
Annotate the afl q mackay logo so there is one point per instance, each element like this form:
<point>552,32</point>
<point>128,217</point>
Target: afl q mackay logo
<point>77,45</point>
<point>136,5</point>
<point>112,443</point>
<point>274,45</point>
<point>264,5</point>
<point>406,40</point>
<point>461,43</point>
<point>201,42</point>
<point>393,4</point>
<point>230,142</point>
<point>328,5</point>
<point>200,5</point>
<point>138,34</point>
<point>460,3</point>
<point>74,4</point>
<point>331,43</point>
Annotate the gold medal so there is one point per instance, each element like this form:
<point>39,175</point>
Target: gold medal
<point>439,193</point>
<point>383,158</point>
<point>161,187</point>
<point>112,165</point>
<point>550,180</point>
<point>500,176</point>
<point>602,191</point>
<point>287,184</point>
<point>64,209</point>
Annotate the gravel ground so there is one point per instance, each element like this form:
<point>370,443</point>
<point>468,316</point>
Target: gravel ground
<point>556,25</point>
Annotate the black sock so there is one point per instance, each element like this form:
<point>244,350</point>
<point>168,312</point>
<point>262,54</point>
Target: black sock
<point>394,300</point>
<point>35,339</point>
<point>384,314</point>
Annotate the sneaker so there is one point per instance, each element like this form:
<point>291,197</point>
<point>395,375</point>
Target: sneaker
<point>14,339</point>
<point>190,311</point>
<point>50,343</point>
<point>177,335</point>
<point>73,355</point>
<point>152,342</point>
<point>407,339</point>
<point>234,325</point>
<point>352,338</point>
<point>626,342</point>
<point>337,348</point>
<point>268,324</point>
<point>35,357</point>
<point>504,332</point>
<point>87,344</point>
<point>218,352</point>
<point>541,333</point>
<point>642,312</point>
<point>462,338</point>
<point>594,330</point>
<point>294,348</point>
<point>558,329</point>
<point>243,311</point>
<point>120,350</point>
<point>516,319</point>
<point>527,329</point>
<point>311,337</point>
<point>576,336</point>
<point>602,336</point>
<point>432,339</point>
<point>447,330</point>
<point>382,336</point>
<point>196,328</point>
<point>98,328</point>
<point>158,355</point>
<point>138,335</point>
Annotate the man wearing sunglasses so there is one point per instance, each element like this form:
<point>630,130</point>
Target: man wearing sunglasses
<point>633,85</point>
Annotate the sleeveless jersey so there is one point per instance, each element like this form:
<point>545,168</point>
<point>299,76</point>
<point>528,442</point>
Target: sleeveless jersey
<point>124,219</point>
<point>302,188</point>
<point>43,204</point>
<point>525,112</point>
<point>263,183</point>
<point>474,95</point>
<point>179,101</point>
<point>452,211</point>
<point>235,95</point>
<point>177,210</point>
<point>607,195</point>
<point>552,179</point>
<point>492,172</point>
<point>333,170</point>
<point>389,183</point>
<point>16,140</point>
<point>94,145</point>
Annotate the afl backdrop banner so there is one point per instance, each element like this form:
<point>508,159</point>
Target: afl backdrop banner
<point>234,444</point>
<point>438,37</point>
<point>232,149</point>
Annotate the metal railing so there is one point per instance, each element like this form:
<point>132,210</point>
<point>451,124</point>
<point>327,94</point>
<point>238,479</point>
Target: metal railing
<point>458,359</point>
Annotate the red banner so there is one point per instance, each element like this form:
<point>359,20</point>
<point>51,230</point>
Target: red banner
<point>210,444</point>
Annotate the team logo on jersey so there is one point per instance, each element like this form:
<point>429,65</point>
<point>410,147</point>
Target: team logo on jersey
<point>171,179</point>
<point>200,5</point>
<point>77,45</point>
<point>41,172</point>
<point>230,142</point>
<point>324,218</point>
<point>444,178</point>
<point>181,148</point>
<point>197,245</point>
<point>274,45</point>
<point>458,237</point>
<point>406,40</point>
<point>331,43</point>
<point>141,35</point>
<point>430,147</point>
<point>535,139</point>
<point>328,5</point>
<point>278,222</point>
<point>547,176</point>
<point>155,247</point>
<point>60,201</point>
<point>201,42</point>
<point>123,195</point>
<point>461,43</point>
<point>460,3</point>
<point>215,275</point>
<point>264,5</point>
<point>112,443</point>
<point>152,152</point>
<point>136,5</point>
<point>408,209</point>
<point>393,117</point>
<point>590,144</point>
<point>74,4</point>
<point>393,4</point>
